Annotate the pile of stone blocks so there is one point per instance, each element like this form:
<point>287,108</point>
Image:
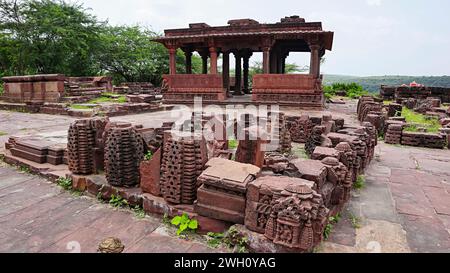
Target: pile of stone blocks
<point>427,140</point>
<point>183,160</point>
<point>387,92</point>
<point>144,98</point>
<point>129,108</point>
<point>414,92</point>
<point>394,109</point>
<point>300,128</point>
<point>317,138</point>
<point>36,149</point>
<point>137,88</point>
<point>394,134</point>
<point>370,110</point>
<point>222,194</point>
<point>251,150</point>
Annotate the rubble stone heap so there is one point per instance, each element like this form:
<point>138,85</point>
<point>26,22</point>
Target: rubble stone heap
<point>300,128</point>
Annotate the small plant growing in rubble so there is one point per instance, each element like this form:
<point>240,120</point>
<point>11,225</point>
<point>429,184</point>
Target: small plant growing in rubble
<point>118,201</point>
<point>360,182</point>
<point>356,221</point>
<point>184,223</point>
<point>139,212</point>
<point>329,227</point>
<point>65,183</point>
<point>234,239</point>
<point>215,239</point>
<point>24,169</point>
<point>148,156</point>
<point>233,144</point>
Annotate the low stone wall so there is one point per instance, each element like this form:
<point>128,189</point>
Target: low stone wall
<point>35,88</point>
<point>393,128</point>
<point>427,140</point>
<point>420,92</point>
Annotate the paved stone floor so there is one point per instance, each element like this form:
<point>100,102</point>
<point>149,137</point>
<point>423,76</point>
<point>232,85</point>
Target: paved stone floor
<point>38,216</point>
<point>404,206</point>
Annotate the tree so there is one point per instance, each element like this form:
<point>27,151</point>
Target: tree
<point>44,36</point>
<point>54,36</point>
<point>127,54</point>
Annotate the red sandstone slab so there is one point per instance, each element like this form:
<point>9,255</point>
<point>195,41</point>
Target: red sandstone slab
<point>29,214</point>
<point>158,243</point>
<point>426,235</point>
<point>410,199</point>
<point>414,177</point>
<point>118,224</point>
<point>439,198</point>
<point>23,195</point>
<point>51,227</point>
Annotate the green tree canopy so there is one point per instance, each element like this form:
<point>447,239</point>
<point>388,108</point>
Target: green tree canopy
<point>54,36</point>
<point>44,36</point>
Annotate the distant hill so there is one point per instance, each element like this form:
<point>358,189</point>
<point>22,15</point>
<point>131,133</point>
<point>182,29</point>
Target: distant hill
<point>373,83</point>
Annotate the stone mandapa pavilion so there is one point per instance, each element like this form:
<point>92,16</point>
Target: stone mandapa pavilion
<point>242,38</point>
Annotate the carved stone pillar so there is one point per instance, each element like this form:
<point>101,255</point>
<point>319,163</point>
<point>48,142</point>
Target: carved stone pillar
<point>188,55</point>
<point>213,60</point>
<point>246,59</point>
<point>226,71</point>
<point>273,58</point>
<point>314,68</point>
<point>266,57</point>
<point>204,56</point>
<point>238,74</point>
<point>172,60</point>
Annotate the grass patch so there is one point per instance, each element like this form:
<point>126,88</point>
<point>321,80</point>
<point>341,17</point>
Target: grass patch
<point>3,133</point>
<point>139,212</point>
<point>232,239</point>
<point>65,183</point>
<point>352,90</point>
<point>356,221</point>
<point>118,202</point>
<point>299,151</point>
<point>233,144</point>
<point>148,156</point>
<point>81,106</point>
<point>419,120</point>
<point>108,97</point>
<point>360,182</point>
<point>24,169</point>
<point>333,220</point>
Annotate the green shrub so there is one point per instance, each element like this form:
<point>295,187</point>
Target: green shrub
<point>184,223</point>
<point>233,144</point>
<point>352,90</point>
<point>65,183</point>
<point>117,201</point>
<point>148,156</point>
<point>360,182</point>
<point>418,120</point>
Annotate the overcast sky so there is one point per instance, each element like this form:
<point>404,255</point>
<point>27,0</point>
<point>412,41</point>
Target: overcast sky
<point>372,37</point>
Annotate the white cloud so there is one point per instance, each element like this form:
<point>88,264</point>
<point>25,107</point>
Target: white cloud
<point>374,2</point>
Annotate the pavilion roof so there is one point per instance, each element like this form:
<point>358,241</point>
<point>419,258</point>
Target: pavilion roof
<point>293,28</point>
